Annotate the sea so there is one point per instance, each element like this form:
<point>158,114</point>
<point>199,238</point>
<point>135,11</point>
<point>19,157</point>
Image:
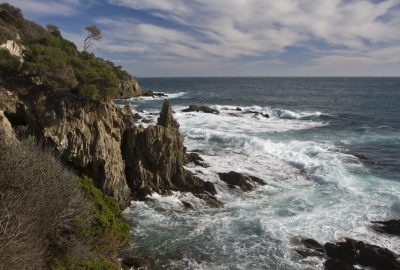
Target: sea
<point>329,153</point>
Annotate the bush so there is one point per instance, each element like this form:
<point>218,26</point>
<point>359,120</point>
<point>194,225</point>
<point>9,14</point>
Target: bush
<point>108,226</point>
<point>40,203</point>
<point>51,219</point>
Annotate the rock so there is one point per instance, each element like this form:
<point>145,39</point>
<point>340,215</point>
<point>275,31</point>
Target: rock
<point>255,114</point>
<point>85,134</point>
<point>153,94</point>
<point>155,158</point>
<point>244,182</point>
<point>130,88</point>
<point>238,109</point>
<point>137,262</point>
<point>233,114</point>
<point>187,205</point>
<point>7,134</point>
<point>166,118</point>
<point>389,227</point>
<point>196,159</point>
<point>201,108</point>
<point>311,248</point>
<point>346,254</point>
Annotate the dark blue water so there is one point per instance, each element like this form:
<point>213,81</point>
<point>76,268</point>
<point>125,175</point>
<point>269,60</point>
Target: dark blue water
<point>330,153</point>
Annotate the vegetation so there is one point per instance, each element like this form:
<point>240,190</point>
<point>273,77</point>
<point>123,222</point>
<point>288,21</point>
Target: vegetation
<point>50,219</point>
<point>56,62</point>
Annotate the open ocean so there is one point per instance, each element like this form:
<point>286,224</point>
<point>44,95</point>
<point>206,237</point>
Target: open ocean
<point>330,153</point>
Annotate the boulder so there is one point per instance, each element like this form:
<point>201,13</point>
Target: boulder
<point>130,88</point>
<point>389,227</point>
<point>201,108</point>
<point>244,182</point>
<point>348,253</point>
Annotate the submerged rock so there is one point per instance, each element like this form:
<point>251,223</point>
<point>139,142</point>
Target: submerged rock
<point>244,182</point>
<point>153,94</point>
<point>201,108</point>
<point>346,254</point>
<point>389,227</point>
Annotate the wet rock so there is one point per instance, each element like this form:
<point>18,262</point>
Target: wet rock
<point>187,205</point>
<point>166,118</point>
<point>200,108</point>
<point>256,114</point>
<point>238,109</point>
<point>244,182</point>
<point>196,159</point>
<point>389,227</point>
<point>349,253</point>
<point>310,248</point>
<point>153,94</point>
<point>233,114</point>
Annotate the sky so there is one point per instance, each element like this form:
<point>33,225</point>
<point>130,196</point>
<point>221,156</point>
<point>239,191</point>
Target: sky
<point>160,38</point>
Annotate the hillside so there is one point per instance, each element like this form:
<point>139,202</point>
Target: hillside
<point>31,55</point>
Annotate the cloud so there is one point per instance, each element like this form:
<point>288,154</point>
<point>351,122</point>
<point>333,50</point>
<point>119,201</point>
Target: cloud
<point>48,7</point>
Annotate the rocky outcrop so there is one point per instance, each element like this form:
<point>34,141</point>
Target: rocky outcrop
<point>244,182</point>
<point>13,48</point>
<point>154,159</point>
<point>389,227</point>
<point>200,108</point>
<point>86,134</point>
<point>196,159</point>
<point>348,253</point>
<point>102,141</point>
<point>130,88</point>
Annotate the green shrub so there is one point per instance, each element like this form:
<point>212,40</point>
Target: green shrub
<point>108,226</point>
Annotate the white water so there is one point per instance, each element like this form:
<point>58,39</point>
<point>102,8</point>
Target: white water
<point>314,190</point>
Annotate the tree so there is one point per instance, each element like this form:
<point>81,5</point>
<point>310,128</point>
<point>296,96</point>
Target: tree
<point>94,34</point>
<point>53,29</point>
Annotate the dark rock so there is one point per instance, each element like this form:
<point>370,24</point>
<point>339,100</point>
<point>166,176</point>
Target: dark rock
<point>196,159</point>
<point>389,227</point>
<point>244,182</point>
<point>233,114</point>
<point>238,109</point>
<point>187,205</point>
<point>153,94</point>
<point>201,108</point>
<point>333,264</point>
<point>266,115</point>
<point>135,262</point>
<point>311,248</point>
<point>255,114</point>
<point>312,244</point>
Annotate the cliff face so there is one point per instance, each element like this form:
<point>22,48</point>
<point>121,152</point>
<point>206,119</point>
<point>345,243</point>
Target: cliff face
<point>99,140</point>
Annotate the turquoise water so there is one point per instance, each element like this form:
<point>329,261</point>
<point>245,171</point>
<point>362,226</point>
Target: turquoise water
<point>330,153</point>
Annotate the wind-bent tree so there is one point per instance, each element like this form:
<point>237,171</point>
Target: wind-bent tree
<point>53,29</point>
<point>94,34</point>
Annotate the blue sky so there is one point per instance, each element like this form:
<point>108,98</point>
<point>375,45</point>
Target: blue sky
<point>234,37</point>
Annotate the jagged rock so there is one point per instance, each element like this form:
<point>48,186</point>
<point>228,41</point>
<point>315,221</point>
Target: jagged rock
<point>196,159</point>
<point>348,253</point>
<point>238,109</point>
<point>255,114</point>
<point>154,159</point>
<point>166,118</point>
<point>244,182</point>
<point>130,88</point>
<point>200,108</point>
<point>389,227</point>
